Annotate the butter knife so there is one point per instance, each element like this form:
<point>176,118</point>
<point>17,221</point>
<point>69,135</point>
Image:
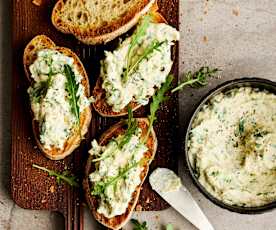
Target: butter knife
<point>168,185</point>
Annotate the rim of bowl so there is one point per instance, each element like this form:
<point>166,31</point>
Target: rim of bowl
<point>263,84</point>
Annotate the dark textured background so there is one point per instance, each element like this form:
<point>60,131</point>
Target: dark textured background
<point>34,189</point>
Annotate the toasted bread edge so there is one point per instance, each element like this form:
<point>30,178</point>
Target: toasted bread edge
<point>90,37</point>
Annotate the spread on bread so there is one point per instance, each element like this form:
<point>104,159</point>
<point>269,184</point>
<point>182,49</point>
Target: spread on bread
<point>140,64</point>
<point>118,165</point>
<point>50,97</point>
<point>118,168</point>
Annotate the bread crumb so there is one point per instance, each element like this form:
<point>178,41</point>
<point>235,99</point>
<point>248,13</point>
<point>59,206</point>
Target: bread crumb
<point>37,2</point>
<point>138,208</point>
<point>236,12</point>
<point>52,189</point>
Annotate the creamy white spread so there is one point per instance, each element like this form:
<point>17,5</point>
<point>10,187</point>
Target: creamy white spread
<point>147,76</point>
<point>232,147</point>
<point>49,98</point>
<point>111,165</point>
<point>164,180</point>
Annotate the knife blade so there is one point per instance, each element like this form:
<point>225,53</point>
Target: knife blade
<point>180,199</point>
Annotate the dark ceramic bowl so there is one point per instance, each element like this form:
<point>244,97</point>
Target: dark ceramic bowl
<point>259,83</point>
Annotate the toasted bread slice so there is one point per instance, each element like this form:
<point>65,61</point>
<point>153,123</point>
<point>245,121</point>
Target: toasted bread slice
<point>98,21</point>
<point>30,54</point>
<point>118,221</point>
<point>100,104</point>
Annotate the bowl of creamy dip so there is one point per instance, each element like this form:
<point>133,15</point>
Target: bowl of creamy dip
<point>231,145</point>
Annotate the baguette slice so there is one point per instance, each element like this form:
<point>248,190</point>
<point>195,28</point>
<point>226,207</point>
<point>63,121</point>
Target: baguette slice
<point>100,104</point>
<point>30,54</point>
<point>98,21</point>
<point>118,221</point>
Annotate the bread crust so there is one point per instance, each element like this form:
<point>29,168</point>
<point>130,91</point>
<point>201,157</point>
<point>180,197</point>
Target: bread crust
<point>100,104</point>
<point>30,54</point>
<point>103,34</point>
<point>118,221</point>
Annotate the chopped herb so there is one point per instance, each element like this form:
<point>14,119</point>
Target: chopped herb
<point>100,187</point>
<point>260,133</point>
<point>241,126</point>
<point>264,193</point>
<point>40,91</point>
<point>214,173</point>
<point>71,180</point>
<point>157,99</point>
<point>72,89</point>
<point>227,180</point>
<point>138,225</point>
<point>197,79</point>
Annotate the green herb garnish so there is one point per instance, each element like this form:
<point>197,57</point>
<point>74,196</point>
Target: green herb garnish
<point>40,91</point>
<point>100,187</point>
<point>135,40</point>
<point>215,173</point>
<point>169,227</point>
<point>197,79</point>
<point>71,180</point>
<point>157,99</point>
<point>154,45</point>
<point>138,225</point>
<point>131,128</point>
<point>72,89</point>
<point>241,126</point>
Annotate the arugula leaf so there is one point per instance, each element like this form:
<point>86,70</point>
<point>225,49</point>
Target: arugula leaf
<point>71,180</point>
<point>135,40</point>
<point>131,128</point>
<point>138,225</point>
<point>100,187</point>
<point>72,89</point>
<point>157,99</point>
<point>154,45</point>
<point>197,79</point>
<point>41,88</point>
<point>169,227</point>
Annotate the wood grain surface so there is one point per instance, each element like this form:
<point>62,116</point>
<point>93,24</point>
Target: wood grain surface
<point>34,189</point>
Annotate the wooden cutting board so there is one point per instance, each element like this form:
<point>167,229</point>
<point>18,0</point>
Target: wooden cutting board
<point>34,189</point>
